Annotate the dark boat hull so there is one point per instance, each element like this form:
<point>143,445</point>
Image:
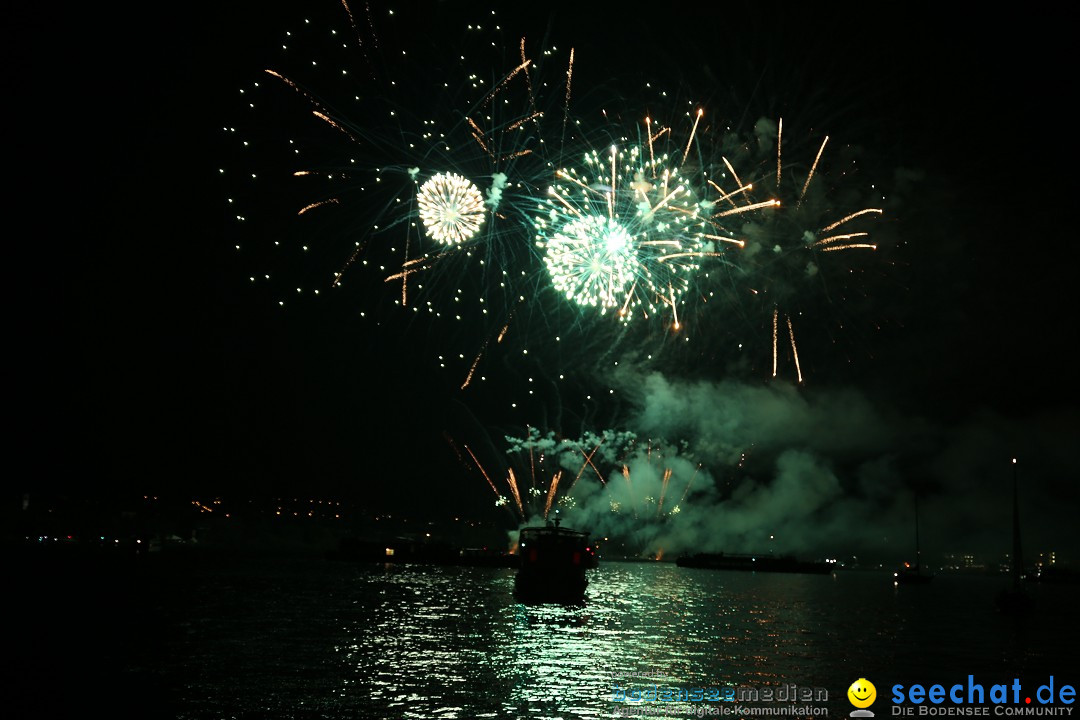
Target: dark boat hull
<point>553,564</point>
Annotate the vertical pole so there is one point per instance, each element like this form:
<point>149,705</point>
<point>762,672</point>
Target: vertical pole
<point>1018,553</point>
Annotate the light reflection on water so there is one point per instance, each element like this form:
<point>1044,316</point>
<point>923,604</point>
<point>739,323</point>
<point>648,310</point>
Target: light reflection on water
<point>290,639</point>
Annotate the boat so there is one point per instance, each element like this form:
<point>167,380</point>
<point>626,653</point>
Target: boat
<point>553,561</point>
<point>1014,600</point>
<point>909,574</point>
<point>754,563</point>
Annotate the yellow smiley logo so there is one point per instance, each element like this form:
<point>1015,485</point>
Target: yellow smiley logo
<point>862,693</point>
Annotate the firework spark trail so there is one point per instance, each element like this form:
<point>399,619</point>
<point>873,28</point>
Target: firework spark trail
<point>472,369</point>
<point>554,193</point>
<point>748,208</point>
<point>356,28</point>
<point>667,198</point>
<point>599,475</point>
<point>733,241</point>
<point>611,193</point>
<point>422,258</point>
<point>732,171</point>
<point>673,256</point>
<point>812,169</point>
<point>528,82</point>
<point>359,35</point>
<point>775,312</point>
<point>532,467</point>
<point>563,175</point>
<point>480,141</point>
<point>779,138</point>
<point>348,263</point>
<point>580,472</point>
<point>327,119</point>
<point>371,25</point>
<point>626,302</point>
<point>794,350</point>
<point>693,130</point>
<point>728,195</point>
<point>405,278</point>
<point>478,136</point>
<point>352,20</point>
<point>513,155</point>
<point>852,246</point>
<point>835,238</point>
<point>663,491</point>
<point>648,133</point>
<point>294,86</point>
<point>524,120</point>
<point>512,481</point>
<point>853,215</point>
<point>688,484</point>
<point>407,270</point>
<point>652,139</point>
<point>551,493</point>
<point>587,463</point>
<point>691,213</point>
<point>498,88</point>
<point>482,471</point>
<point>566,105</point>
<point>312,206</point>
<point>474,126</point>
<point>405,273</point>
<point>674,310</point>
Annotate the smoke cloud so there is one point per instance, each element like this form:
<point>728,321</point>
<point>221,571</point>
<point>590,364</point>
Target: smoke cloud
<point>731,467</point>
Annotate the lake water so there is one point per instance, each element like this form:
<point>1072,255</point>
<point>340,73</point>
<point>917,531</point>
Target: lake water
<point>207,636</point>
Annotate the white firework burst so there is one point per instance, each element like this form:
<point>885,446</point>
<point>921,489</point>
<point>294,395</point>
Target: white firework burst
<point>451,208</point>
<point>591,259</point>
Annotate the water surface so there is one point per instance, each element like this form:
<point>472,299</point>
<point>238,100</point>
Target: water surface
<point>222,636</point>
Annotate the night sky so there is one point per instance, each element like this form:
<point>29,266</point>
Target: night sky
<point>146,363</point>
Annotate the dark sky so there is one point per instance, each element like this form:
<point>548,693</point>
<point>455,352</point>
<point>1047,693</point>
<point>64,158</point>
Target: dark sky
<point>146,362</point>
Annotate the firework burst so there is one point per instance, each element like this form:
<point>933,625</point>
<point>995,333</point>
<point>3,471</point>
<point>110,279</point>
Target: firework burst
<point>624,232</point>
<point>451,208</point>
<point>591,259</point>
<point>478,205</point>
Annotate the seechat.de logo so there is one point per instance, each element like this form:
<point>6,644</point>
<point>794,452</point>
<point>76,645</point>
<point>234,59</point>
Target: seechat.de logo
<point>975,698</point>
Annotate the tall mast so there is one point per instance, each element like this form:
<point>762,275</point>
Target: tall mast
<point>1018,553</point>
<point>918,551</point>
